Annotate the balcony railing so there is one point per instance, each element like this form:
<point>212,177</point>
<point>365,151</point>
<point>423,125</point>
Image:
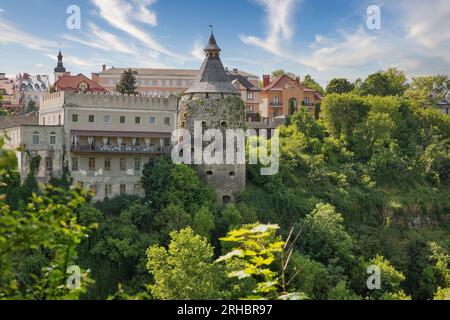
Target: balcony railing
<point>276,104</point>
<point>120,149</point>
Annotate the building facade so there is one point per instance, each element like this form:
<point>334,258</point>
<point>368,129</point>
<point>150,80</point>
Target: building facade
<point>38,145</point>
<point>284,96</point>
<point>104,139</point>
<point>249,94</point>
<point>158,82</point>
<point>216,104</point>
<point>31,88</point>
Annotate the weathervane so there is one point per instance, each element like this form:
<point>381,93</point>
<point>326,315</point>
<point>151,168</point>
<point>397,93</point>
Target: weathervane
<point>211,27</point>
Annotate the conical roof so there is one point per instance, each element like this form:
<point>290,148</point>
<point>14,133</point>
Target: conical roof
<point>212,77</point>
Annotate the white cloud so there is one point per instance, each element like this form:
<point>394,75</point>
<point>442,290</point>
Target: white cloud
<point>418,41</point>
<point>197,52</point>
<point>100,39</point>
<point>122,15</point>
<point>1,10</point>
<point>279,28</point>
<point>12,35</point>
<point>79,62</point>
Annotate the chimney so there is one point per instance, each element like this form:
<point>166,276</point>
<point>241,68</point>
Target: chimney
<point>2,76</point>
<point>297,79</point>
<point>266,80</point>
<point>38,77</point>
<point>95,77</point>
<point>26,76</point>
<point>104,67</point>
<point>235,71</point>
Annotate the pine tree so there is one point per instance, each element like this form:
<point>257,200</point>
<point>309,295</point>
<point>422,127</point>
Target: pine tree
<point>31,107</point>
<point>127,84</point>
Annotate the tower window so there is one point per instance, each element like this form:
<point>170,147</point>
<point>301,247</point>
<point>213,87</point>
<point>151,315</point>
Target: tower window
<point>209,173</point>
<point>232,174</point>
<point>226,199</point>
<point>223,124</point>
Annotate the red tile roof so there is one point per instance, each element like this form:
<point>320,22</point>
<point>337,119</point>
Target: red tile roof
<point>72,84</point>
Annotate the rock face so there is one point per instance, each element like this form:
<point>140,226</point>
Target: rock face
<point>215,103</point>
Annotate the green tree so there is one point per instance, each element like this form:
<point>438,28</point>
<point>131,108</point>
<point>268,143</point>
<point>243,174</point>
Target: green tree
<point>391,280</point>
<point>185,271</point>
<point>115,253</point>
<point>339,85</point>
<point>392,82</point>
<point>255,249</point>
<point>203,222</point>
<point>48,224</point>
<point>325,239</point>
<point>127,83</point>
<point>165,183</point>
<point>342,113</point>
<point>31,107</point>
<point>310,83</point>
<point>279,72</point>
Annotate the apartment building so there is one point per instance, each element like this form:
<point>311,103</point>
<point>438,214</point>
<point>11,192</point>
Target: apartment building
<point>152,82</point>
<point>158,82</point>
<point>249,94</point>
<point>41,145</point>
<point>104,139</point>
<point>31,87</point>
<point>7,90</point>
<point>284,96</point>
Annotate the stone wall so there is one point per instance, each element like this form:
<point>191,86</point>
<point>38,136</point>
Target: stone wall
<point>216,111</point>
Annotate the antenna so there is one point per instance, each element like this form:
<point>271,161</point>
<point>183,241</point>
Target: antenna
<point>212,28</point>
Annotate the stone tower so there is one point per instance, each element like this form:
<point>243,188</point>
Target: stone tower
<point>59,71</point>
<point>216,104</point>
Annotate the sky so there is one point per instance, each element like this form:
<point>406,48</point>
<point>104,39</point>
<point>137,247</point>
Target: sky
<point>323,38</point>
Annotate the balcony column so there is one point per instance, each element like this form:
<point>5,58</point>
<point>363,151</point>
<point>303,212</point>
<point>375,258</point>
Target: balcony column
<point>161,143</point>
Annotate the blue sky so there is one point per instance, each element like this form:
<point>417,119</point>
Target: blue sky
<point>319,37</point>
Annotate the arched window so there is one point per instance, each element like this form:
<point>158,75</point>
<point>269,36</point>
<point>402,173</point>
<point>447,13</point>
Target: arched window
<point>223,124</point>
<point>209,173</point>
<point>226,199</point>
<point>232,174</point>
<point>52,138</point>
<point>36,138</point>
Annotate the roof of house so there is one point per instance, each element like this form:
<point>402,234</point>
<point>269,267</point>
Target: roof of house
<point>280,82</point>
<point>243,81</point>
<point>18,120</point>
<point>212,77</point>
<point>72,83</point>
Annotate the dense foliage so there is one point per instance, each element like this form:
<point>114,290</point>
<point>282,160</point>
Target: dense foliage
<point>365,185</point>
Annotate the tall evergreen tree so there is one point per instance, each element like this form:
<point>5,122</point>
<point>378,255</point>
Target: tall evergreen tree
<point>127,84</point>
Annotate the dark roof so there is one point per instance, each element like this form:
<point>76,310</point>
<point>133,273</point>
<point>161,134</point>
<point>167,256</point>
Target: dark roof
<point>212,44</point>
<point>212,77</point>
<point>243,80</point>
<point>19,120</point>
<point>60,65</point>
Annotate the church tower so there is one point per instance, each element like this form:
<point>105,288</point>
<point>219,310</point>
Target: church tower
<point>59,71</point>
<point>216,104</point>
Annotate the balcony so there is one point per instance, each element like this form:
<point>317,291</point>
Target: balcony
<point>276,104</point>
<point>120,149</point>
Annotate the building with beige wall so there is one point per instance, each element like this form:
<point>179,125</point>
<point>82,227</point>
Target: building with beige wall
<point>105,139</point>
<point>43,143</point>
<point>159,82</point>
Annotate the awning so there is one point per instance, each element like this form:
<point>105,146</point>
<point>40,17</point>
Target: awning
<point>121,134</point>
